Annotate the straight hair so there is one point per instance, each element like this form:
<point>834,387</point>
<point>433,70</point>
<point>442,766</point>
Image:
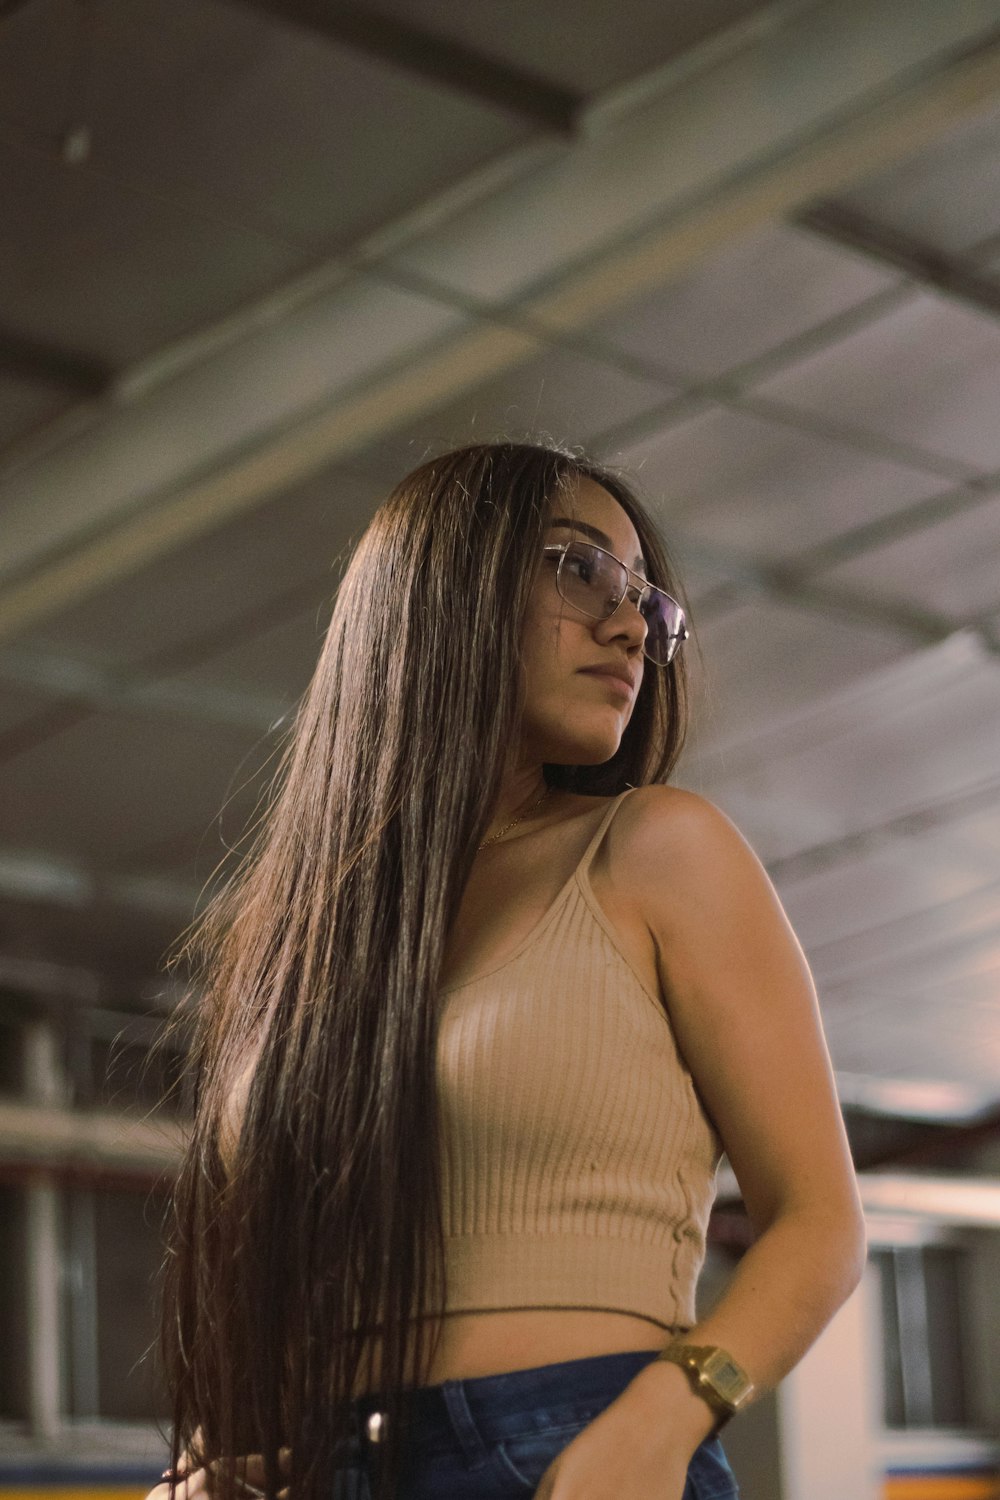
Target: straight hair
<point>306,1214</point>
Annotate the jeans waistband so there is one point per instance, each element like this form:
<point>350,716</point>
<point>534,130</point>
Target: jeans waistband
<point>510,1404</point>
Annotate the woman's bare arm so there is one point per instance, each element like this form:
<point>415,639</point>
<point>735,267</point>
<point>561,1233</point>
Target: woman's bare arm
<point>744,1010</point>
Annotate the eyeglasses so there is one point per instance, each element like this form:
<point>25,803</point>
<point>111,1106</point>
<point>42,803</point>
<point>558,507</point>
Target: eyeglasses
<point>595,582</point>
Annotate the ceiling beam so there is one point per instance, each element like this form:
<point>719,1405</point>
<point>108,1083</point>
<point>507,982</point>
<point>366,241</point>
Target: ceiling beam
<point>45,979</point>
<point>973,1202</point>
<point>954,275</point>
<point>36,1135</point>
<point>625,211</point>
<point>47,364</point>
<point>918,1100</point>
<point>39,877</point>
<point>946,809</point>
<point>538,102</point>
<point>131,691</point>
<point>786,582</point>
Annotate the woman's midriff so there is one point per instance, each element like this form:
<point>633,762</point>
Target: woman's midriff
<point>494,1343</point>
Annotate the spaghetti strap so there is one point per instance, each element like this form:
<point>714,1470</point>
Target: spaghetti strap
<point>602,828</point>
<point>576,880</point>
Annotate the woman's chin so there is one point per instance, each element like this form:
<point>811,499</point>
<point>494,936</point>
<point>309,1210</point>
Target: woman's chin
<point>589,750</point>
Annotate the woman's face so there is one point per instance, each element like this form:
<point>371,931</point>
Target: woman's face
<point>573,714</point>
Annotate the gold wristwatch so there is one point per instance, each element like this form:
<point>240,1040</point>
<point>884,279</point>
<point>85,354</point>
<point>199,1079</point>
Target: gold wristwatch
<point>715,1376</point>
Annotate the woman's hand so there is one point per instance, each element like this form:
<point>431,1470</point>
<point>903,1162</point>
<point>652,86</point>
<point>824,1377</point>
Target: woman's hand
<point>615,1455</point>
<point>196,1483</point>
<point>640,1445</point>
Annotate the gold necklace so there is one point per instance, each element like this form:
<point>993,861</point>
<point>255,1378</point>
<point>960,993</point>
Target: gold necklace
<point>514,821</point>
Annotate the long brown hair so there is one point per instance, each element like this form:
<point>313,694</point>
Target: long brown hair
<point>319,960</point>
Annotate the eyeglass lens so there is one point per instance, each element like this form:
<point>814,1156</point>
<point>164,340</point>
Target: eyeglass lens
<point>595,582</point>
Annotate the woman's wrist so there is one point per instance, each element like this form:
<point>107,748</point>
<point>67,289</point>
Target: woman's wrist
<point>664,1399</point>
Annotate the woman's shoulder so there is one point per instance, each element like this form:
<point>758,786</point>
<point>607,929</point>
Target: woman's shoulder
<point>662,810</point>
<point>669,831</point>
<point>687,867</point>
<point>641,808</point>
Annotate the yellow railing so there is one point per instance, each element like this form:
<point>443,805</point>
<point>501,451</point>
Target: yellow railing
<point>941,1487</point>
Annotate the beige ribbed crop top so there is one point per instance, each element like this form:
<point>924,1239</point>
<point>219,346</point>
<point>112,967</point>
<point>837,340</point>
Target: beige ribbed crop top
<point>578,1161</point>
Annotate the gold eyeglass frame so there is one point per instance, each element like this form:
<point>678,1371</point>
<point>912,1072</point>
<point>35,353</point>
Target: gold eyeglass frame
<point>640,587</point>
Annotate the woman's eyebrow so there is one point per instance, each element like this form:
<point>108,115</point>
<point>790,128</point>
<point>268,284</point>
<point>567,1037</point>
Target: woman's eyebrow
<point>596,535</point>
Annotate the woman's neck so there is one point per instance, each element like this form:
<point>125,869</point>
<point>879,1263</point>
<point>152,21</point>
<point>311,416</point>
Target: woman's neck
<point>519,790</point>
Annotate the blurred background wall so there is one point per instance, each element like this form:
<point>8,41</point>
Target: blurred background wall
<point>259,259</point>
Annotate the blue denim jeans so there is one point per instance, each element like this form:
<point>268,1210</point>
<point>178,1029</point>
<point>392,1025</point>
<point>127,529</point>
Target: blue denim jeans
<point>493,1437</point>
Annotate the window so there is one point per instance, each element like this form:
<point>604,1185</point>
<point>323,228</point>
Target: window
<point>13,1303</point>
<point>129,1253</point>
<point>11,1052</point>
<point>924,1345</point>
<point>112,1253</point>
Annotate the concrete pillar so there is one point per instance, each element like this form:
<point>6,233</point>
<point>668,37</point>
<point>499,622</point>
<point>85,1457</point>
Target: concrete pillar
<point>829,1407</point>
<point>43,1282</point>
<point>44,1084</point>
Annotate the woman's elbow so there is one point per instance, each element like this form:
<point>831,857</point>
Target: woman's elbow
<point>839,1240</point>
<point>851,1255</point>
<point>861,1248</point>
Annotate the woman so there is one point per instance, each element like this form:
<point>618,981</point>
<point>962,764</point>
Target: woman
<point>477,1018</point>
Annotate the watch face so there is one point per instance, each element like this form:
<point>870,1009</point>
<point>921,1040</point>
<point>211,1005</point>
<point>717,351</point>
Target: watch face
<point>726,1376</point>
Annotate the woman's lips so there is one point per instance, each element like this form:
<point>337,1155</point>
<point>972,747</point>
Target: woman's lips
<point>616,684</point>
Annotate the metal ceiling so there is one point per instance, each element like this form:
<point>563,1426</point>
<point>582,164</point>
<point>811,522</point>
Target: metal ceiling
<point>257,259</point>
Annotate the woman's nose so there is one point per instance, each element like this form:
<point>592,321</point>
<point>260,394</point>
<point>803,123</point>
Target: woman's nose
<point>627,621</point>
